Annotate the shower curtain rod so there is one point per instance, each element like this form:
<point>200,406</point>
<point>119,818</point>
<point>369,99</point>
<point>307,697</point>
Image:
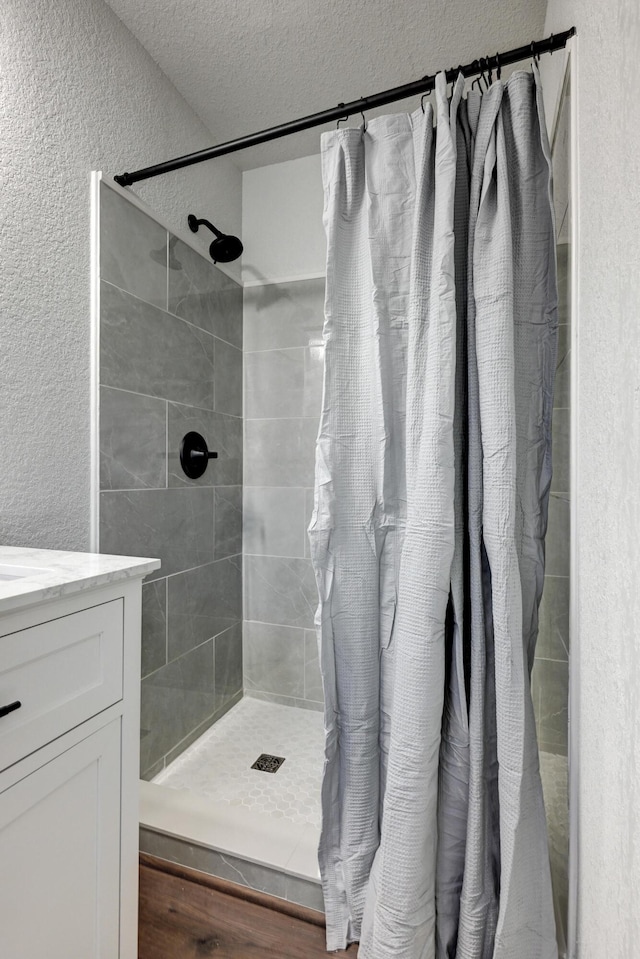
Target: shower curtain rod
<point>344,110</point>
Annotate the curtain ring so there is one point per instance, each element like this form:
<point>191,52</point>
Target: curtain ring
<point>364,121</point>
<point>341,119</point>
<point>422,100</point>
<point>498,67</point>
<point>481,78</point>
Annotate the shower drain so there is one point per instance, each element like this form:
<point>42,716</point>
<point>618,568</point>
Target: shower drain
<point>268,764</point>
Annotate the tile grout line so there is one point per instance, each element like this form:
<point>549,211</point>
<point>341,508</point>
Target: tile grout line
<point>170,313</point>
<point>210,639</point>
<point>165,399</point>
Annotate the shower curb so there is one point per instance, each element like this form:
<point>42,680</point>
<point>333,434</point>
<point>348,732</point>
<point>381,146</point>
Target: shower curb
<point>242,872</point>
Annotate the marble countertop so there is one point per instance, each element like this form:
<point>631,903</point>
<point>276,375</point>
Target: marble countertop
<point>29,576</point>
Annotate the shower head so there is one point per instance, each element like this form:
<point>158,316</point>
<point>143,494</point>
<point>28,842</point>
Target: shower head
<point>224,248</point>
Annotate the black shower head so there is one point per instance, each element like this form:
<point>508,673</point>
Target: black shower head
<point>224,248</point>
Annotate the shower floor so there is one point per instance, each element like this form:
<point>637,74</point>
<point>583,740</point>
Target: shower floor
<point>218,764</point>
<point>211,811</point>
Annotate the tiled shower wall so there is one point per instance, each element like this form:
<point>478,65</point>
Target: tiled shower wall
<point>170,362</point>
<point>550,679</point>
<point>283,395</point>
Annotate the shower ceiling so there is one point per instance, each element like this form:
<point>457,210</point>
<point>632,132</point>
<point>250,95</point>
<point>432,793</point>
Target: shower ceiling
<point>244,66</point>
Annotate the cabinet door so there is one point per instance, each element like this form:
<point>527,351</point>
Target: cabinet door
<point>60,855</point>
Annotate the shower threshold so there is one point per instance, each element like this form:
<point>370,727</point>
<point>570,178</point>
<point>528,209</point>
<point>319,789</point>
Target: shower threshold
<point>211,811</point>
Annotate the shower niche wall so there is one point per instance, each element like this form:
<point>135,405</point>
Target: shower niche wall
<point>170,361</point>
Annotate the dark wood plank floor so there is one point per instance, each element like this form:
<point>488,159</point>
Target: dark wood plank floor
<point>186,914</point>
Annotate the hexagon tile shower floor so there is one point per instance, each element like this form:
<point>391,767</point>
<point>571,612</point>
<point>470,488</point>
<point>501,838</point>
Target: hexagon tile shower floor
<point>218,765</point>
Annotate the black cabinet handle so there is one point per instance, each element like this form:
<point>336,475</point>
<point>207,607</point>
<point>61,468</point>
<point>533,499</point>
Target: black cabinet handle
<point>5,710</point>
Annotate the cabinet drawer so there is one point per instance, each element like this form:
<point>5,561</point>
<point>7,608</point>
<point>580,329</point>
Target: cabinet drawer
<point>62,672</point>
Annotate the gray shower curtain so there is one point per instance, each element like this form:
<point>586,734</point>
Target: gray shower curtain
<point>432,478</point>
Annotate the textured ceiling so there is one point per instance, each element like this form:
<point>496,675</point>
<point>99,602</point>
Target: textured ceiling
<point>244,65</point>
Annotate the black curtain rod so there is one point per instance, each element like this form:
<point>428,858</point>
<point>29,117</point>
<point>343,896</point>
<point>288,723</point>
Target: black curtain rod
<point>344,110</point>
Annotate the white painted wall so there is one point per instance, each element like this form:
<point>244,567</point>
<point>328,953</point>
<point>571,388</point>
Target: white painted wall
<point>608,472</point>
<point>77,92</point>
<point>282,228</point>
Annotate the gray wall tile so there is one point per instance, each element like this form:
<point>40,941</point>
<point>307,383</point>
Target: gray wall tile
<point>309,495</point>
<point>560,450</point>
<point>284,383</point>
<point>555,748</point>
<point>222,433</point>
<point>252,875</point>
<point>133,249</point>
<point>283,315</point>
<point>145,350</point>
<point>557,539</point>
<point>304,893</point>
<point>280,452</point>
<point>152,771</point>
<point>227,365</point>
<point>312,676</point>
<point>273,658</point>
<point>175,699</point>
<point>199,730</point>
<point>228,663</point>
<point>203,602</point>
<point>204,295</point>
<point>313,381</point>
<point>227,512</point>
<point>295,701</point>
<point>274,383</point>
<point>553,631</point>
<point>174,525</point>
<point>283,394</point>
<point>273,519</point>
<point>279,590</point>
<point>562,389</point>
<point>564,282</point>
<point>148,357</point>
<point>552,680</point>
<point>154,626</point>
<point>133,441</point>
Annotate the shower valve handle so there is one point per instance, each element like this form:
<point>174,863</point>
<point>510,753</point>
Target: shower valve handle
<point>195,455</point>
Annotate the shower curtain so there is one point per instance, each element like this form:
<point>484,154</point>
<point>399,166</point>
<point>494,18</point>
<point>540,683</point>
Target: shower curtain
<point>433,469</point>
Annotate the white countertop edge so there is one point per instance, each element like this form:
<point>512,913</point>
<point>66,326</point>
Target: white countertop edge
<point>59,573</point>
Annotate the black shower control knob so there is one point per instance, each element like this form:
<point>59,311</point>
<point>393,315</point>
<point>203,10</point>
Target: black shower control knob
<point>195,454</point>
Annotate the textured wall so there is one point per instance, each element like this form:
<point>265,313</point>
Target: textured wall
<point>605,650</point>
<point>77,92</point>
<point>171,362</point>
<point>271,62</point>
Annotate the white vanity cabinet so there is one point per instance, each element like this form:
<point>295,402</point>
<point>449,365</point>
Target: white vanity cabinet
<point>69,764</point>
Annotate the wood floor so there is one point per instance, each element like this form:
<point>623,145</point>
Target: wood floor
<point>186,914</point>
